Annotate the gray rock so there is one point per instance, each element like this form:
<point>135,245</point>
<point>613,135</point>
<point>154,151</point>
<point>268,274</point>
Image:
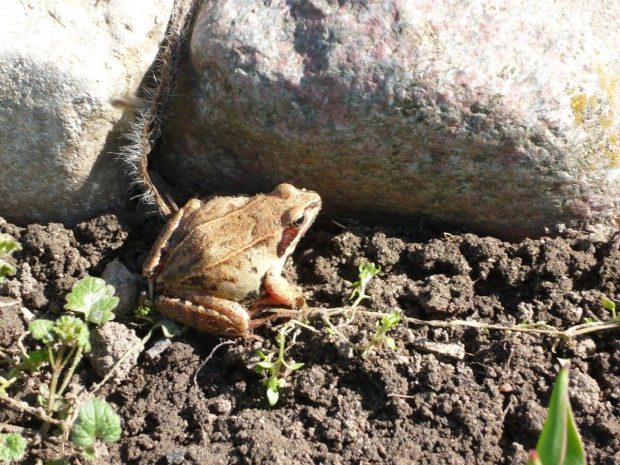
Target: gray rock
<point>450,351</point>
<point>109,343</point>
<point>176,456</point>
<point>61,66</point>
<point>505,118</point>
<point>125,286</point>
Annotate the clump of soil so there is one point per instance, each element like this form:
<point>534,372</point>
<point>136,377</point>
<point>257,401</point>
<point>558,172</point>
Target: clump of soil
<point>424,403</point>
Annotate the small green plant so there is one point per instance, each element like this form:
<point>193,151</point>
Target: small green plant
<point>12,447</point>
<point>611,306</point>
<point>8,245</point>
<point>277,369</point>
<point>386,323</point>
<point>68,338</point>
<point>168,327</point>
<point>559,442</point>
<point>96,419</point>
<point>64,341</point>
<point>366,273</point>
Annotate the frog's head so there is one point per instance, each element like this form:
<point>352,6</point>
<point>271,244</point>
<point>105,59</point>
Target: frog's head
<point>299,208</point>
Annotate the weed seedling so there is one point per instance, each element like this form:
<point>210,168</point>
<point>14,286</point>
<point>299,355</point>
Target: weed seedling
<point>277,369</point>
<point>64,341</point>
<point>366,272</point>
<point>386,323</point>
<point>8,245</point>
<point>68,338</point>
<point>168,327</point>
<point>611,306</point>
<point>559,442</point>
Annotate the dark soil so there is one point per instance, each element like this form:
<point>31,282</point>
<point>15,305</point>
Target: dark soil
<point>486,405</point>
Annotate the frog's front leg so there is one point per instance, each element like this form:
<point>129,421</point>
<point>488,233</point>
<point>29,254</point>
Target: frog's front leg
<point>206,313</point>
<point>280,292</point>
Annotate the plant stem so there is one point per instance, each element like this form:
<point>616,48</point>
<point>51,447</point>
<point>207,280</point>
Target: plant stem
<point>56,365</point>
<point>569,333</point>
<point>339,333</point>
<point>77,356</point>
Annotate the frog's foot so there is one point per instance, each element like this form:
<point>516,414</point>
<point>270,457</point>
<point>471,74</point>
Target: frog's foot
<point>258,322</point>
<point>279,292</point>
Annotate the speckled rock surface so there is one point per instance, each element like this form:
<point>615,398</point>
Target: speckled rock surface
<point>61,66</point>
<point>109,343</point>
<point>504,116</point>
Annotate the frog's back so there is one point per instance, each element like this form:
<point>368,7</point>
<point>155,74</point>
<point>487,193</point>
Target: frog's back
<point>225,248</point>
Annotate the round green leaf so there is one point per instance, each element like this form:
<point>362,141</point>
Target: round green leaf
<point>41,330</point>
<point>96,419</point>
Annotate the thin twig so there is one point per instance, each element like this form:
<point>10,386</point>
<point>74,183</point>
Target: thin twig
<point>25,408</point>
<point>401,396</point>
<point>225,343</point>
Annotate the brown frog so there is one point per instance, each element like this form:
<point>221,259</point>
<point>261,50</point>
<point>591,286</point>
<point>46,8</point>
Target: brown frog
<point>218,264</point>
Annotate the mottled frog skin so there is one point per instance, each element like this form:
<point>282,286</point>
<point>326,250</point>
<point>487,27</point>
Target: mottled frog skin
<point>217,264</point>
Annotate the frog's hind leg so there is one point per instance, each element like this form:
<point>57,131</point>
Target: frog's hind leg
<point>205,313</point>
<point>152,264</point>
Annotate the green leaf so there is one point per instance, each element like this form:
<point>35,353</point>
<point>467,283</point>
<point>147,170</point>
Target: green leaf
<point>8,245</point>
<point>6,269</point>
<point>94,298</point>
<point>295,366</point>
<point>12,447</point>
<point>608,304</point>
<point>264,365</point>
<point>272,396</point>
<point>96,419</point>
<point>171,328</point>
<point>34,360</point>
<point>390,343</point>
<point>41,330</point>
<point>89,453</point>
<point>393,318</point>
<point>144,310</point>
<point>559,441</point>
<point>69,328</point>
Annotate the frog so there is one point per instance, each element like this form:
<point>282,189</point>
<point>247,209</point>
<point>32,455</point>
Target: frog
<point>217,264</point>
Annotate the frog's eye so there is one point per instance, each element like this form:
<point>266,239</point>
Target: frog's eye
<point>297,222</point>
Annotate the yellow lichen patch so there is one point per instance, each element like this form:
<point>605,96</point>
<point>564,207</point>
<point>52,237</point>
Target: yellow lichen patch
<point>609,84</point>
<point>607,119</point>
<point>613,156</point>
<point>579,104</point>
<point>597,113</point>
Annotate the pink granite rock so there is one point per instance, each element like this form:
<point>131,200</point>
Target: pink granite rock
<point>499,115</point>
